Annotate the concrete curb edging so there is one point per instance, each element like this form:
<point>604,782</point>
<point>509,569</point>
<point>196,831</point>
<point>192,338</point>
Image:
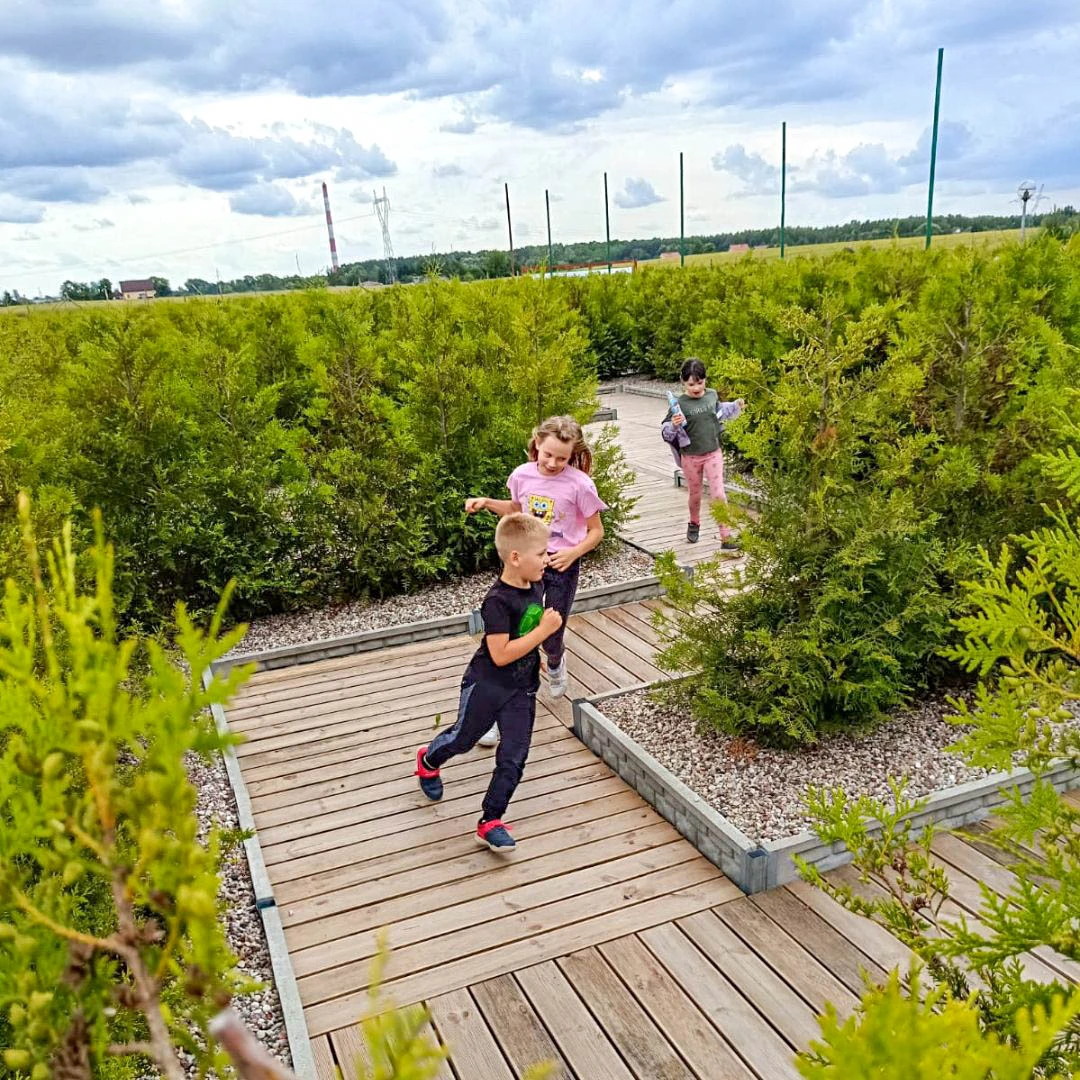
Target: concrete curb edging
<point>605,415</point>
<point>284,977</point>
<point>625,592</point>
<point>756,867</point>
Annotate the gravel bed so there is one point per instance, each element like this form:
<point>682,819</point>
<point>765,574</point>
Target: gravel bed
<point>455,597</point>
<point>261,1011</point>
<point>760,790</point>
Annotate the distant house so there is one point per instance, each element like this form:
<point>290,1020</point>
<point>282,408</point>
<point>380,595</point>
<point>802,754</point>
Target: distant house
<point>739,248</point>
<point>140,289</point>
<point>669,254</point>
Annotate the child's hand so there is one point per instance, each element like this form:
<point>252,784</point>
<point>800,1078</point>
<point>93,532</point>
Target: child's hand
<point>473,505</point>
<point>550,621</point>
<point>560,560</point>
<point>678,419</point>
<point>741,403</point>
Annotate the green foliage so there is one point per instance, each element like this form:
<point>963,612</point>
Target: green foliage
<point>109,937</point>
<point>900,1033</point>
<point>898,408</point>
<point>313,446</point>
<point>1020,633</point>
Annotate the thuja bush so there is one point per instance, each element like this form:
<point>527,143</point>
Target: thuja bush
<point>983,1014</point>
<point>313,447</point>
<point>893,437</point>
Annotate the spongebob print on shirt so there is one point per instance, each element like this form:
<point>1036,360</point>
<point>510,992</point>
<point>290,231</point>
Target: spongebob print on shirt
<point>542,507</point>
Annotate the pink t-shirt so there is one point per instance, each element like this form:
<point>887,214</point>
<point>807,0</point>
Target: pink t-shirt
<point>564,502</point>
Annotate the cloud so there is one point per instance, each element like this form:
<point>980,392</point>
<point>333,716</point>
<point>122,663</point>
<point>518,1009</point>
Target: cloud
<point>753,170</point>
<point>137,199</point>
<point>268,200</point>
<point>443,172</point>
<point>637,193</point>
<point>16,212</point>
<point>465,126</point>
<point>51,184</point>
<point>94,226</point>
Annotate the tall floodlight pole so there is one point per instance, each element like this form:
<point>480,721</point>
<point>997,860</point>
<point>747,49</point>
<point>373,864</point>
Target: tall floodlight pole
<point>933,151</point>
<point>783,181</point>
<point>607,225</point>
<point>682,217</point>
<point>547,207</point>
<point>509,227</point>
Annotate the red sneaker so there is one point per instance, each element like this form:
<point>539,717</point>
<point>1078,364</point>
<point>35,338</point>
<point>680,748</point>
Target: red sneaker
<point>495,835</point>
<point>430,782</point>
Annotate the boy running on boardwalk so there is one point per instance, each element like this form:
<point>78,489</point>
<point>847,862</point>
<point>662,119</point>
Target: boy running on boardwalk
<point>693,430</point>
<point>555,486</point>
<point>502,678</point>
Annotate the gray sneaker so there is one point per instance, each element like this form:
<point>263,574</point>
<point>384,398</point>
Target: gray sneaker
<point>490,738</point>
<point>557,677</point>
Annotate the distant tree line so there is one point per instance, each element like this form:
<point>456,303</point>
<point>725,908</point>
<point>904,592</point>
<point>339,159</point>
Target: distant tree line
<point>496,263</point>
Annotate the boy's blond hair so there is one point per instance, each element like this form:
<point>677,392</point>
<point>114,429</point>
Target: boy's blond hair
<point>516,530</point>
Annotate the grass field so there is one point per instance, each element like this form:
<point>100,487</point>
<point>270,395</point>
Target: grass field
<point>994,236</point>
<point>998,236</point>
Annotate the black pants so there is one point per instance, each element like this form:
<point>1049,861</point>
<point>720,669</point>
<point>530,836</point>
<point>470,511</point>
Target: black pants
<point>560,588</point>
<point>480,706</point>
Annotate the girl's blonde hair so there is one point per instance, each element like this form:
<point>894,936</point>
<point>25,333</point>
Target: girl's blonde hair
<point>566,429</point>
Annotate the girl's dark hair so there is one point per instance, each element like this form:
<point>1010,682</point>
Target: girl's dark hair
<point>693,368</point>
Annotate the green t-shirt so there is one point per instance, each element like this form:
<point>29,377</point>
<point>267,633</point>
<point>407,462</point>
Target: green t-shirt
<point>701,423</point>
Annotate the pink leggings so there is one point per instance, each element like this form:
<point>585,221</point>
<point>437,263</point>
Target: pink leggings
<point>710,467</point>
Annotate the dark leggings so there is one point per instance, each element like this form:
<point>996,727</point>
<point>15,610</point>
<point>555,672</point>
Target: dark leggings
<point>480,706</point>
<point>560,588</point>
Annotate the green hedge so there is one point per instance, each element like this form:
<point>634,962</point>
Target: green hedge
<point>314,446</point>
<point>898,402</point>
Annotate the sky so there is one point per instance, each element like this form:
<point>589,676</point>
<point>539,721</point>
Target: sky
<point>190,138</point>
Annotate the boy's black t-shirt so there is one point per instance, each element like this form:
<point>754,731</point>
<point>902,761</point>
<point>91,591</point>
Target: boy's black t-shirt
<point>509,610</point>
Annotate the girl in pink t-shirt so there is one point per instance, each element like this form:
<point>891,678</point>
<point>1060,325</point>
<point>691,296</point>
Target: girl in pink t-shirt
<point>555,486</point>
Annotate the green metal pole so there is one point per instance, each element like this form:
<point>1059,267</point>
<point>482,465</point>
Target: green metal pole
<point>547,207</point>
<point>607,225</point>
<point>509,227</point>
<point>783,181</point>
<point>682,217</point>
<point>933,152</point>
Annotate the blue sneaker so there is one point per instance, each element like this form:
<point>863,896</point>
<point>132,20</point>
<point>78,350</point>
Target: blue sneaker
<point>430,782</point>
<point>495,835</point>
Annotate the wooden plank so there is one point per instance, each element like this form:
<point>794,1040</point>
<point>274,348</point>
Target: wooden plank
<point>376,666</point>
<point>391,698</point>
<point>349,1045</point>
<point>756,1042</point>
<point>871,939</point>
<point>784,1010</point>
<point>609,628</point>
<point>812,980</point>
<point>518,1030</point>
<point>443,948</point>
<point>306,801</point>
<point>583,650</point>
<point>682,1022</point>
<point>587,821</point>
<point>306,697</point>
<point>461,1027</point>
<point>634,626</point>
<point>356,763</point>
<point>373,842</point>
<point>468,893</point>
<point>633,667</point>
<point>819,938</point>
<point>403,796</point>
<point>325,1066</point>
<point>640,1043</point>
<point>414,724</point>
<point>582,1041</point>
<point>500,959</point>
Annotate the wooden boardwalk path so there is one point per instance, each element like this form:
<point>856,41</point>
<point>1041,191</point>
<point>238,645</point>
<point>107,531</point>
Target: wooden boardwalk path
<point>605,944</point>
<point>661,509</point>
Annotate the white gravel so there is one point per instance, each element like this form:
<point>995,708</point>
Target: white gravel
<point>761,790</point>
<point>455,597</point>
<point>261,1011</point>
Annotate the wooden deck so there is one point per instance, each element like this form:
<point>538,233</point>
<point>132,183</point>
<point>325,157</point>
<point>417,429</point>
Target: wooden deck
<point>661,509</point>
<point>605,944</point>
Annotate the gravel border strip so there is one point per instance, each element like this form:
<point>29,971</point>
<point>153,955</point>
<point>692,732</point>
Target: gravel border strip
<point>679,790</point>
